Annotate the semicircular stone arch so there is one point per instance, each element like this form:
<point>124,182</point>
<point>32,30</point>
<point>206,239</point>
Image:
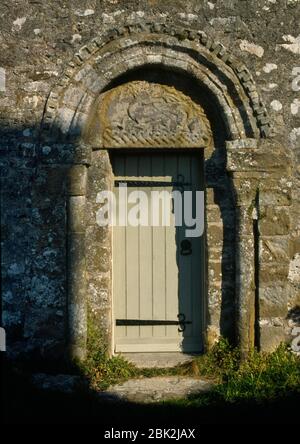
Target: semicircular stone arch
<point>76,114</point>
<point>99,63</point>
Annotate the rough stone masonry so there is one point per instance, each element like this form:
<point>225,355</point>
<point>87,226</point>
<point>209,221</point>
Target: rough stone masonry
<point>240,61</point>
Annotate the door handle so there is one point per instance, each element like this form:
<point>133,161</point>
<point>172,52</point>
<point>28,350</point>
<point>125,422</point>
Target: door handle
<point>185,247</point>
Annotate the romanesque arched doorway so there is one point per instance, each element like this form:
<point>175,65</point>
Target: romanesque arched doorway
<point>216,83</point>
<point>156,136</point>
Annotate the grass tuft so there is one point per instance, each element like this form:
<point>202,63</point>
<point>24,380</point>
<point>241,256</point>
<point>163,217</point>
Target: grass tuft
<point>261,377</point>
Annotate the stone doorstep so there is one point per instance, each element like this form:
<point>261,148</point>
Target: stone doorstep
<point>159,388</point>
<point>158,360</point>
<point>141,390</point>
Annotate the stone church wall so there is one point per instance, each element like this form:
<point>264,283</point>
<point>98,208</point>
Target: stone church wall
<point>37,40</point>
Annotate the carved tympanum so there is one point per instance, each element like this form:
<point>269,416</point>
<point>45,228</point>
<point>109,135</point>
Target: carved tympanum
<point>142,114</point>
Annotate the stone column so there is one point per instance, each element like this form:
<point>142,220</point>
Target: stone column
<point>245,185</point>
<point>245,245</point>
<point>260,171</point>
<point>76,260</point>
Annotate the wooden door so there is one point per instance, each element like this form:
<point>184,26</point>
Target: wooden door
<point>155,282</point>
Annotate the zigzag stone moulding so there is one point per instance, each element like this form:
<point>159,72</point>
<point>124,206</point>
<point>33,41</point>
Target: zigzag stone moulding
<point>150,115</point>
<point>216,49</point>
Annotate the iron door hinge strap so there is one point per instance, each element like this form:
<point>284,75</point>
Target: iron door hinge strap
<point>179,183</point>
<point>150,183</point>
<point>144,322</point>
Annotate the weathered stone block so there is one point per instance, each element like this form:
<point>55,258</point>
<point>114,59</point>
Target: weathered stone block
<point>213,213</point>
<point>294,271</point>
<point>269,273</point>
<point>271,337</point>
<point>99,292</point>
<point>275,192</point>
<point>77,178</point>
<point>274,221</point>
<point>76,214</point>
<point>274,249</point>
<point>238,144</point>
<point>82,154</point>
<point>64,119</point>
<point>73,96</point>
<point>215,235</point>
<point>214,254</point>
<point>98,258</point>
<point>101,235</point>
<point>258,159</point>
<point>255,160</point>
<point>97,182</point>
<point>215,271</point>
<point>273,301</point>
<point>214,296</point>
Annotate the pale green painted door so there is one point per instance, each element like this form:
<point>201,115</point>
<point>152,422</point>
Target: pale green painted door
<point>153,282</point>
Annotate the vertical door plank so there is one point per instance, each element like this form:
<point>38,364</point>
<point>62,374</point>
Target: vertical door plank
<point>185,285</point>
<point>159,258</point>
<point>145,245</point>
<point>197,260</point>
<point>172,276</point>
<point>132,258</point>
<point>119,261</point>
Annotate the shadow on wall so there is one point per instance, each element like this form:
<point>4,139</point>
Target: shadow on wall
<point>33,242</point>
<point>294,315</point>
